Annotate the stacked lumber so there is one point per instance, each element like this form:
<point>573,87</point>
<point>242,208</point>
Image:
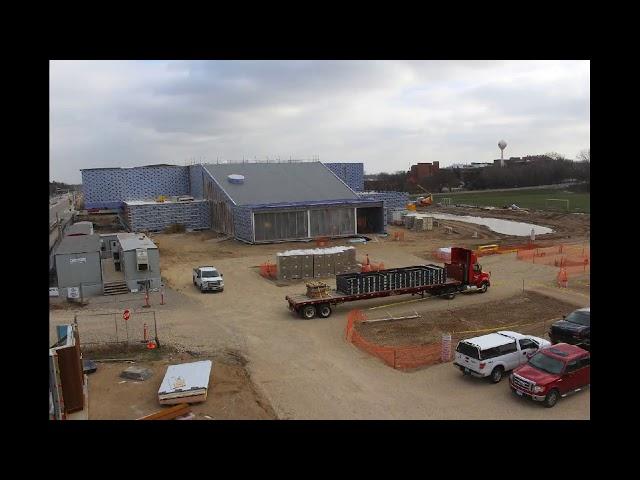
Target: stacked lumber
<point>317,290</point>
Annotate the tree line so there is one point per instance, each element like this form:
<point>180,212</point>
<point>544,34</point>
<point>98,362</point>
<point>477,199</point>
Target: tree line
<point>54,186</point>
<point>552,170</point>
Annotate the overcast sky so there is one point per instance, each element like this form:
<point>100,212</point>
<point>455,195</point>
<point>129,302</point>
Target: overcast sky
<point>386,114</point>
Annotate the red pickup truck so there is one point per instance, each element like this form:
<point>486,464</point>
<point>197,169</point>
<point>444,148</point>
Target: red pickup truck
<point>551,373</point>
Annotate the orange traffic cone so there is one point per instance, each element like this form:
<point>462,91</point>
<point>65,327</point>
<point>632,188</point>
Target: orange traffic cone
<point>563,279</point>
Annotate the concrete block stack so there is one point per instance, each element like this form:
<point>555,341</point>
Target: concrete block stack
<point>417,221</point>
<point>316,263</point>
<point>423,223</point>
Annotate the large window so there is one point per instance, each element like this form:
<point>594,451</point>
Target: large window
<point>280,225</point>
<point>332,221</point>
<point>468,350</point>
<point>580,318</point>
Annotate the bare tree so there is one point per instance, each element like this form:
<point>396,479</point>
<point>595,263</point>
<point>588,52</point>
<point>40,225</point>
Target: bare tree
<point>555,156</point>
<point>585,156</point>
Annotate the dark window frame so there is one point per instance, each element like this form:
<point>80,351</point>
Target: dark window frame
<point>508,348</point>
<point>572,366</point>
<point>521,340</point>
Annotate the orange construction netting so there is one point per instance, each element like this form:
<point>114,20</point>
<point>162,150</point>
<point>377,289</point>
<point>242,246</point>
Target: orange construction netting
<point>570,259</point>
<point>322,241</point>
<point>372,267</point>
<point>401,358</point>
<point>269,270</point>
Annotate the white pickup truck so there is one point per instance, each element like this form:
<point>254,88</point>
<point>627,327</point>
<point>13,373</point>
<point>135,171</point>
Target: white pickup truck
<point>494,354</point>
<point>208,279</point>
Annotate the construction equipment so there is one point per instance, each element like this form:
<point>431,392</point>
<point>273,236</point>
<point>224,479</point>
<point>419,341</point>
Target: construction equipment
<point>426,200</point>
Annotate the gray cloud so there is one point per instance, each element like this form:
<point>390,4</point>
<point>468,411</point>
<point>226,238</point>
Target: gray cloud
<point>387,114</point>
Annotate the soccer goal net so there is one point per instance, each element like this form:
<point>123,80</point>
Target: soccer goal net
<point>557,204</point>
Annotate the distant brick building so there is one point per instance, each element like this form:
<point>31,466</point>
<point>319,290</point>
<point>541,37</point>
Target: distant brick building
<point>421,171</point>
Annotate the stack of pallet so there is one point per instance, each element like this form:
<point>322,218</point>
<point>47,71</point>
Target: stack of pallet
<point>408,221</point>
<point>317,290</point>
<point>417,221</point>
<point>423,223</point>
<point>316,263</point>
<point>392,279</point>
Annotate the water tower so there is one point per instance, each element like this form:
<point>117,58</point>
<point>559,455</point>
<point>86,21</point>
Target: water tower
<point>502,144</point>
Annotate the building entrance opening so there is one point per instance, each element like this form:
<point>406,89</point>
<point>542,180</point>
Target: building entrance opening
<point>370,220</point>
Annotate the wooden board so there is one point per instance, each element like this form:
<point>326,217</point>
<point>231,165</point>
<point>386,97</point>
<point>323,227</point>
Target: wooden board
<point>168,413</point>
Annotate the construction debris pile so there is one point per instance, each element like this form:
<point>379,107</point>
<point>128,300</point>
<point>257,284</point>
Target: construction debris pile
<point>316,262</point>
<point>391,279</point>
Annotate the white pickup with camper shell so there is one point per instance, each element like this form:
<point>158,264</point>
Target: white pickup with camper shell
<point>496,353</point>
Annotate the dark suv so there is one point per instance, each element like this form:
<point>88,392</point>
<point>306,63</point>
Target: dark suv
<point>574,329</point>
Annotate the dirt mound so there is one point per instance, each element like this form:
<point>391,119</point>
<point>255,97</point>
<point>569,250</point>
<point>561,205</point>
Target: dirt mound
<point>515,313</point>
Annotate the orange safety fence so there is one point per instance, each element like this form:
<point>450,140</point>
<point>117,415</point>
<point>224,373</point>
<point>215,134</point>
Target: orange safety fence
<point>372,267</point>
<point>322,241</point>
<point>269,270</point>
<point>402,357</point>
<point>570,259</point>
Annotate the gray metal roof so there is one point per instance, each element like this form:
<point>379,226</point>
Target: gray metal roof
<point>79,244</point>
<point>80,228</point>
<point>280,182</point>
<point>131,241</point>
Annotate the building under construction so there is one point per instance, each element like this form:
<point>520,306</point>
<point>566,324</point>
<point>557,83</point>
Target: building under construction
<point>253,202</point>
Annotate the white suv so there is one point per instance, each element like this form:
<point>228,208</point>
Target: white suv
<point>494,354</point>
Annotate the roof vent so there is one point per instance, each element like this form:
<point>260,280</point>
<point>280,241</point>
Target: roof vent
<point>237,179</point>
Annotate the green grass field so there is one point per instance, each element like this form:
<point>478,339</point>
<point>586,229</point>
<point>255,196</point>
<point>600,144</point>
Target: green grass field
<point>534,198</point>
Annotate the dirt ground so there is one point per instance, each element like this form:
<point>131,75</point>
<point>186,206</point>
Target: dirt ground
<point>509,314</point>
<point>231,395</point>
<point>305,369</point>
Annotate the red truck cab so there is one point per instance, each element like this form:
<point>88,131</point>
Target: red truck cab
<point>551,373</point>
<point>464,266</point>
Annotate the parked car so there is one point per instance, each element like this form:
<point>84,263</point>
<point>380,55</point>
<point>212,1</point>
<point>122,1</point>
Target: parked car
<point>494,354</point>
<point>552,372</point>
<point>208,279</point>
<point>574,329</point>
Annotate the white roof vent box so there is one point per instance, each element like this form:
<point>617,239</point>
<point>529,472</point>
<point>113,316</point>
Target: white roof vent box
<point>236,179</point>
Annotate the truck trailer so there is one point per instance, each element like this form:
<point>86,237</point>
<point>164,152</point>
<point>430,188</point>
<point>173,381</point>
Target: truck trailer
<point>461,274</point>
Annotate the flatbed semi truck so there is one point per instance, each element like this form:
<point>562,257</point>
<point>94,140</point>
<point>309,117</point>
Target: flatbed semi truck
<point>461,274</point>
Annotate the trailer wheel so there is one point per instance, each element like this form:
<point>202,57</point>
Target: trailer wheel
<point>324,310</point>
<point>308,312</point>
<point>484,287</point>
<point>450,295</point>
